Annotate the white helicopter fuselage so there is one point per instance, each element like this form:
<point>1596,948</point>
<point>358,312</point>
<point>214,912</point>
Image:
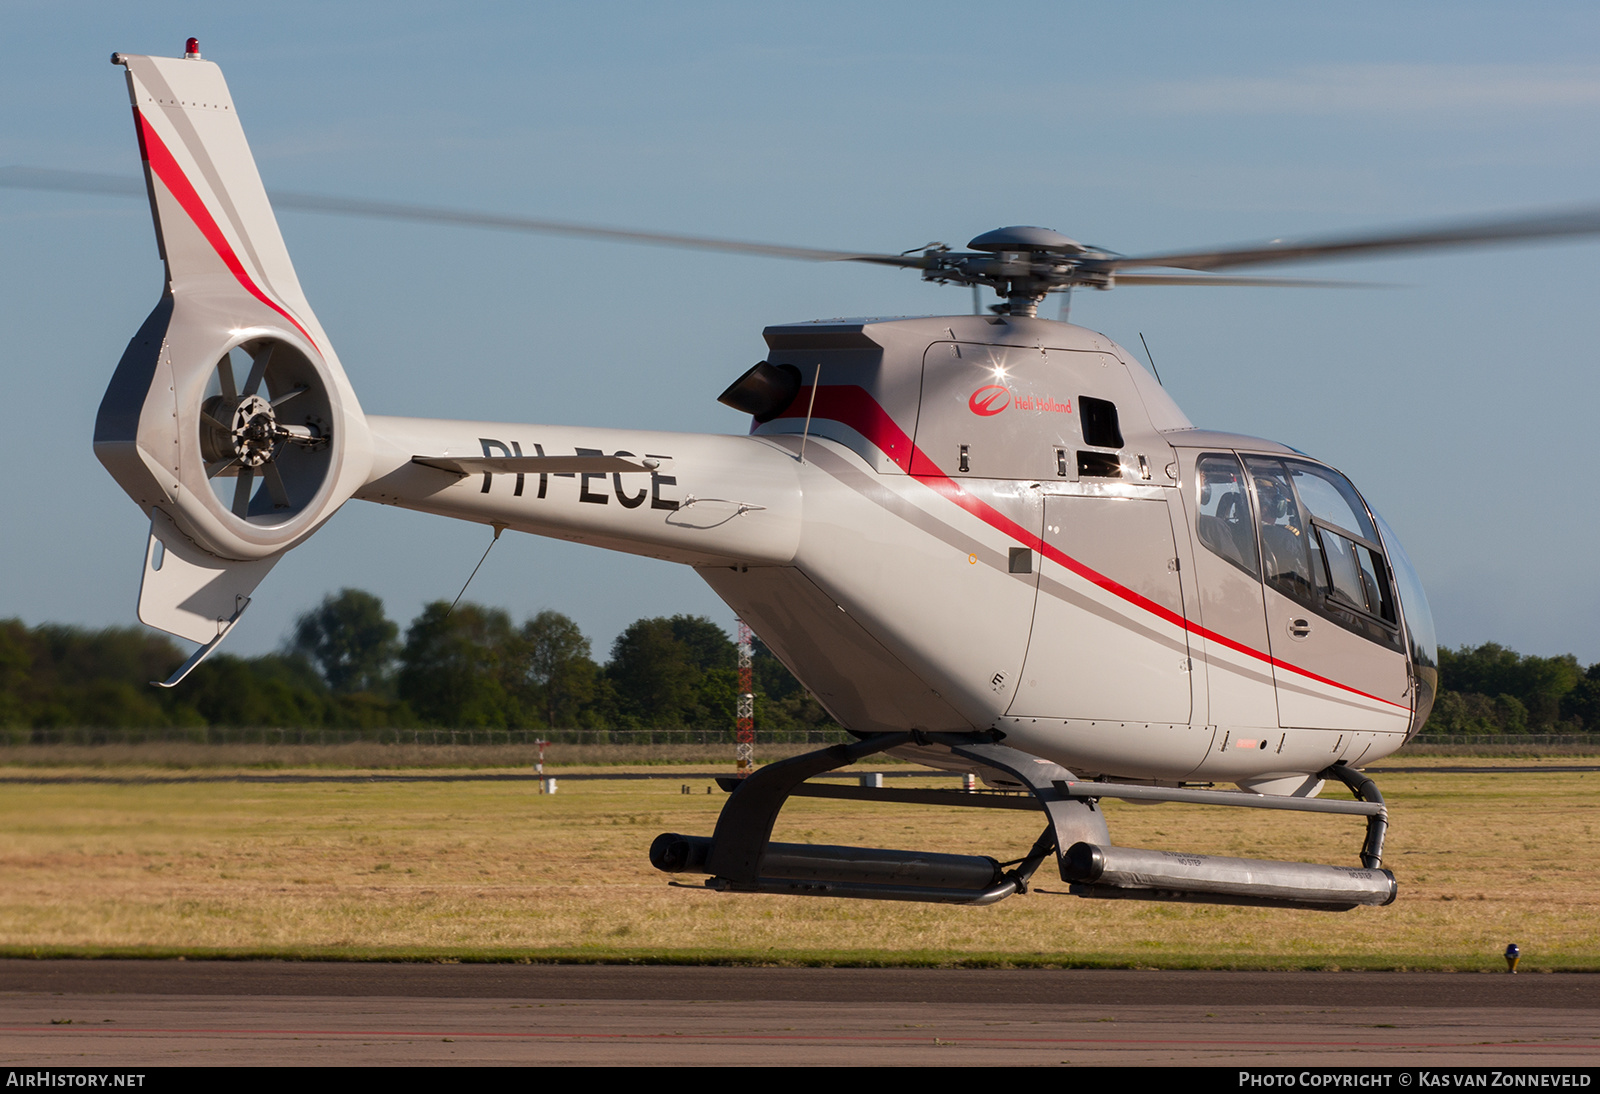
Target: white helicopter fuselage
<point>930,539</point>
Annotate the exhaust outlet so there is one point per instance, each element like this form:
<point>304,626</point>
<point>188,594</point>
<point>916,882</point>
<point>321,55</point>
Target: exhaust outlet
<point>674,854</point>
<point>1104,871</point>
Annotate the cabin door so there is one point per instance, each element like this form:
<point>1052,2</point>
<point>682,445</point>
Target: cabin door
<point>1109,640</point>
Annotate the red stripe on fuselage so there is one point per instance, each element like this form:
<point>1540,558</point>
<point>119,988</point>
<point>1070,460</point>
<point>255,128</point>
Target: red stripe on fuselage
<point>853,406</point>
<point>165,166</point>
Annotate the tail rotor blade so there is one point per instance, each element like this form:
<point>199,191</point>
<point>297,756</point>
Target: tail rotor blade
<point>275,487</point>
<point>286,396</point>
<point>258,368</point>
<point>241,492</point>
<point>230,390</point>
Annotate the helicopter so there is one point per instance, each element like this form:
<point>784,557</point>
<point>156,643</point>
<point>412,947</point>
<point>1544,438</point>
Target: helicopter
<point>987,543</point>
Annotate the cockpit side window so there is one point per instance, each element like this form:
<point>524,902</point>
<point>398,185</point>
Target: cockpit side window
<point>1320,547</point>
<point>1224,523</point>
<point>1352,553</point>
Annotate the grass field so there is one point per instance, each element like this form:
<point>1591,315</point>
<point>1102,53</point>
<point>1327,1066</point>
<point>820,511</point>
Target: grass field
<point>495,871</point>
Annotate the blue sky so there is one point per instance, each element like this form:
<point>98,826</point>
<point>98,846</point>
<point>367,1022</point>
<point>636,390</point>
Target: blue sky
<point>1461,403</point>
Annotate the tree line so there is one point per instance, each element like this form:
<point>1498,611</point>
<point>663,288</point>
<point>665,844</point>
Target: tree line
<point>347,665</point>
<point>1491,689</point>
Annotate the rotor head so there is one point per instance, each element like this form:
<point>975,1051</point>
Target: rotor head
<point>1022,263</point>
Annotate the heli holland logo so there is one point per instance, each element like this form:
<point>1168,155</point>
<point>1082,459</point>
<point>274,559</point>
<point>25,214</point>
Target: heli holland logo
<point>989,400</point>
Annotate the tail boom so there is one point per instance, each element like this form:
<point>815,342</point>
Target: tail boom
<point>708,500</point>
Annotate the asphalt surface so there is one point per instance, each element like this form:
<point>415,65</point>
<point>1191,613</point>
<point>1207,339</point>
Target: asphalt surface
<point>129,1014</point>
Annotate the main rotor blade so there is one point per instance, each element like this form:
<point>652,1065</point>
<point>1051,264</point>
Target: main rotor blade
<point>1548,225</point>
<point>78,182</point>
<point>1534,226</point>
<point>1254,282</point>
<point>536,465</point>
<point>38,178</point>
<point>316,203</point>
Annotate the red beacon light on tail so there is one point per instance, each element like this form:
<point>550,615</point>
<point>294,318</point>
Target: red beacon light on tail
<point>191,50</point>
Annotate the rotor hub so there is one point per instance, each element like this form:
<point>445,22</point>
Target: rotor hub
<point>1021,263</point>
<point>255,431</point>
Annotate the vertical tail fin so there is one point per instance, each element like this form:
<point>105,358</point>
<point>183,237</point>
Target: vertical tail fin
<point>229,418</point>
<point>214,224</point>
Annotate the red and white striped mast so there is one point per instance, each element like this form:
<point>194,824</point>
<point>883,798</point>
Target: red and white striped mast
<point>745,709</point>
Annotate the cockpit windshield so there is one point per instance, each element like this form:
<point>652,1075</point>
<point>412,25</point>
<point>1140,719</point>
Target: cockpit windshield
<point>1424,643</point>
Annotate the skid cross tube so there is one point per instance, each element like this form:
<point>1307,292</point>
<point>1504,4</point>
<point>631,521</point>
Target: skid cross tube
<point>1236,798</point>
<point>745,824</point>
<point>1369,802</point>
<point>1095,870</point>
<point>1362,786</point>
<point>971,799</point>
<point>1071,820</point>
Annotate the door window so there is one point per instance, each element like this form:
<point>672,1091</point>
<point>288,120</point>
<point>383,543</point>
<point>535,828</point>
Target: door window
<point>1320,547</point>
<point>1285,553</point>
<point>1223,523</point>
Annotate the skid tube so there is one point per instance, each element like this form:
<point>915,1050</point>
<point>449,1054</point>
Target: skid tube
<point>740,857</point>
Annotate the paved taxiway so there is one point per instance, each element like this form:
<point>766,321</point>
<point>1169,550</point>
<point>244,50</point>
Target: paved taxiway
<point>128,1014</point>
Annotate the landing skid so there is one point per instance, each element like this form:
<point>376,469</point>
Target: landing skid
<point>740,857</point>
